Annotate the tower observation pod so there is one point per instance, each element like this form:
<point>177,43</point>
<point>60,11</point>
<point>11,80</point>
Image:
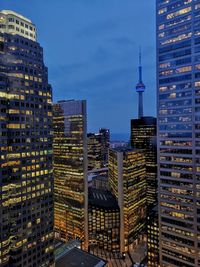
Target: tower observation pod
<point>140,88</point>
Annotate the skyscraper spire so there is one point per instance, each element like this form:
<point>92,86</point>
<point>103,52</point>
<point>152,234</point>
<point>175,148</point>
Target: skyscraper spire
<point>140,87</point>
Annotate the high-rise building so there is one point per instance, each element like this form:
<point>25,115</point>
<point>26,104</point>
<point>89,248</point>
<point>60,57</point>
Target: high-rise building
<point>94,151</point>
<point>143,136</point>
<point>104,220</point>
<point>153,238</point>
<point>105,144</point>
<point>98,146</point>
<point>178,80</point>
<point>26,181</point>
<point>127,180</point>
<point>70,170</point>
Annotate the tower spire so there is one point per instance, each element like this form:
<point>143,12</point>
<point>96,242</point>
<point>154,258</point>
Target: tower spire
<point>140,65</point>
<point>140,87</point>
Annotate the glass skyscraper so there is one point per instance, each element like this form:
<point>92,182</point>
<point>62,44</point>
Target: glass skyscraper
<point>26,181</point>
<point>178,80</point>
<point>70,170</point>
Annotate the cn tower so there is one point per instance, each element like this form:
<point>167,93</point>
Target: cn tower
<point>140,87</point>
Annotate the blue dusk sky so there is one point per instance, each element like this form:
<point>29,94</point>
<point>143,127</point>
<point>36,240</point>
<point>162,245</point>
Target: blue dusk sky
<point>91,50</point>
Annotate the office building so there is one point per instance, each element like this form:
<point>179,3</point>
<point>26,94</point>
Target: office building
<point>98,145</point>
<point>178,80</point>
<point>105,144</point>
<point>104,220</point>
<point>70,170</point>
<point>26,180</point>
<point>143,136</point>
<point>127,180</point>
<point>94,151</point>
<point>153,238</point>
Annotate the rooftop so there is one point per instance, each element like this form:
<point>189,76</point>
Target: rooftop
<point>102,198</point>
<point>146,120</point>
<point>10,12</point>
<point>79,258</point>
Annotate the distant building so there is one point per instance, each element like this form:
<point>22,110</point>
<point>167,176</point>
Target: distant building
<point>127,180</point>
<point>96,172</point>
<point>105,144</point>
<point>94,151</point>
<point>100,182</point>
<point>143,136</point>
<point>153,238</point>
<point>70,170</point>
<point>26,171</point>
<point>104,220</point>
<point>98,145</point>
<point>116,144</point>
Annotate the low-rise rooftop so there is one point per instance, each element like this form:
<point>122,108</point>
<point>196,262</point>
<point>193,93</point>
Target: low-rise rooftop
<point>79,258</point>
<point>102,198</point>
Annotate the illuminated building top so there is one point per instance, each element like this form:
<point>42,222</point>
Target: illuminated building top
<point>16,24</point>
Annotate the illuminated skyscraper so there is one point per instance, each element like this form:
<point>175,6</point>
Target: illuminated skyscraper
<point>143,136</point>
<point>70,170</point>
<point>104,220</point>
<point>178,79</point>
<point>26,181</point>
<point>127,180</point>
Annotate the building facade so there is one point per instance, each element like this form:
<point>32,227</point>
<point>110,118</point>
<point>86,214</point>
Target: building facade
<point>178,91</point>
<point>143,136</point>
<point>98,146</point>
<point>94,151</point>
<point>104,220</point>
<point>153,238</point>
<point>100,182</point>
<point>105,144</point>
<point>127,181</point>
<point>70,170</point>
<point>26,181</point>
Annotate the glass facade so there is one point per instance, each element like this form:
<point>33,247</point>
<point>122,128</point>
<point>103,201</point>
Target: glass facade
<point>26,181</point>
<point>143,136</point>
<point>127,180</point>
<point>70,170</point>
<point>178,79</point>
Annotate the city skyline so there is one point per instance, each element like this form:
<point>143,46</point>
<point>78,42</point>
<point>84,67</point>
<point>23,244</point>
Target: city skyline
<point>129,194</point>
<point>98,55</point>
